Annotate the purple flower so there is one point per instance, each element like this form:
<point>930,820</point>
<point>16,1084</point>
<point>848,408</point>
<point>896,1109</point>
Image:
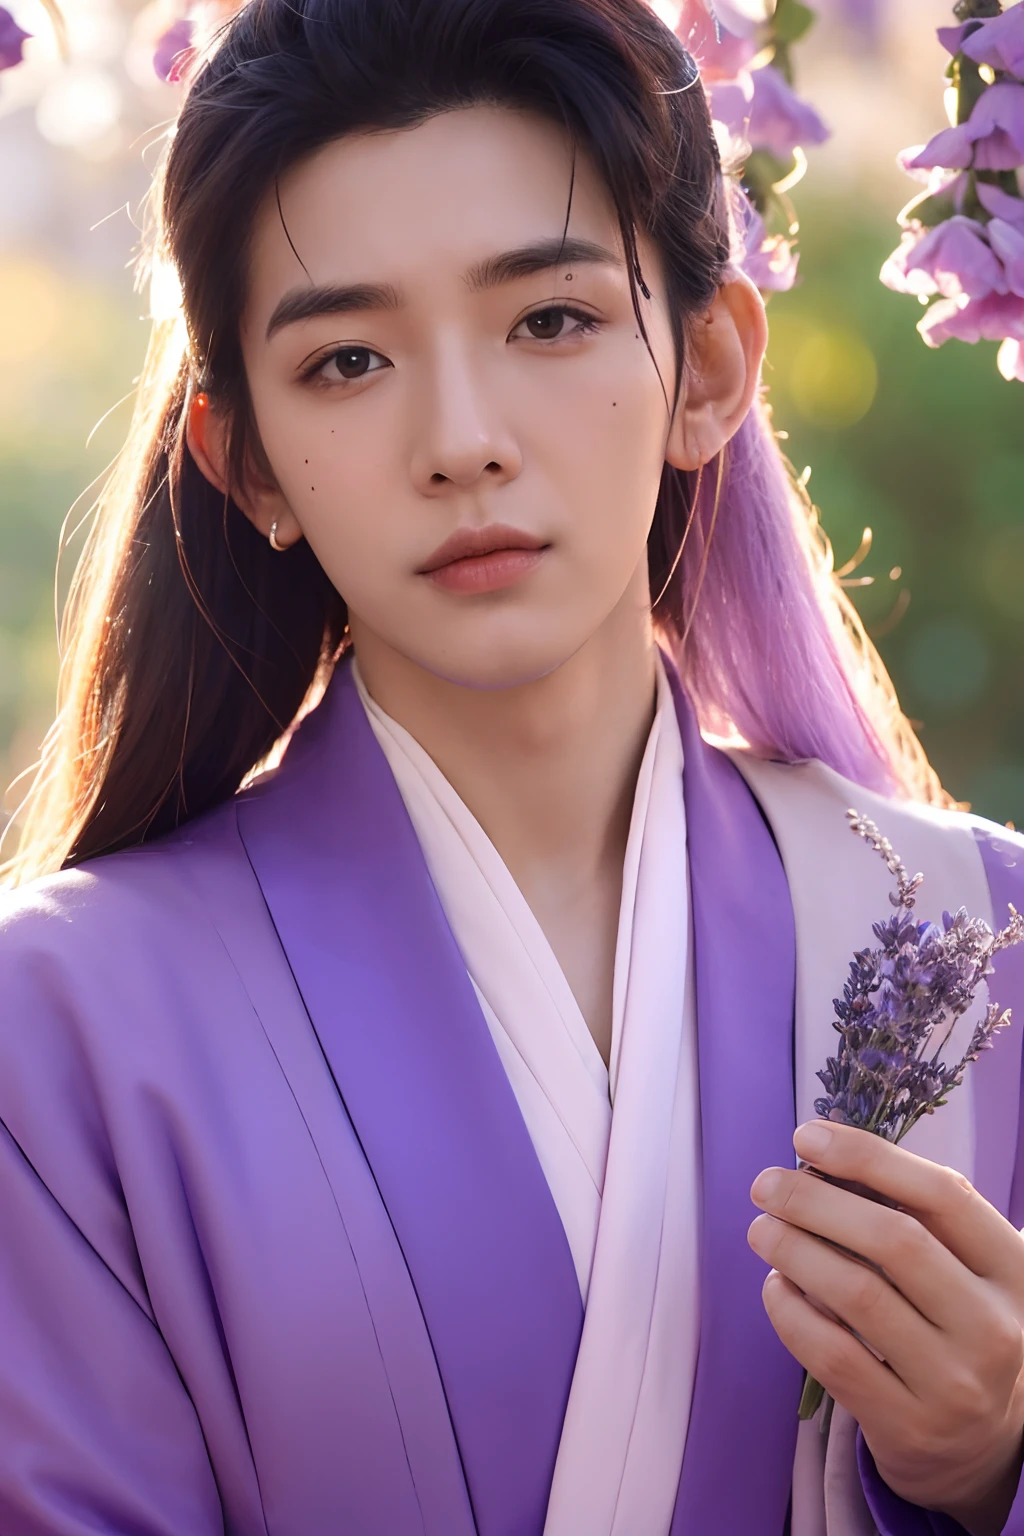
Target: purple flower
<point>900,1004</point>
<point>999,41</point>
<point>994,318</point>
<point>1000,204</point>
<point>779,120</point>
<point>770,261</point>
<point>12,40</point>
<point>173,50</point>
<point>730,103</point>
<point>952,38</point>
<point>992,139</point>
<point>1007,241</point>
<point>954,258</point>
<point>773,266</point>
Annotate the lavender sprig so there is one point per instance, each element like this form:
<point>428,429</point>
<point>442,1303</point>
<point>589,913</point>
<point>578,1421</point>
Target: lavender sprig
<point>900,1005</point>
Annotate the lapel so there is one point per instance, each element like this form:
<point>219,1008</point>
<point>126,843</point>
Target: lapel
<point>390,1001</point>
<point>395,1467</point>
<point>737,1467</point>
<point>997,1076</point>
<point>839,889</point>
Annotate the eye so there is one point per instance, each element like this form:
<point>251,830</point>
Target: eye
<point>346,365</point>
<point>550,323</point>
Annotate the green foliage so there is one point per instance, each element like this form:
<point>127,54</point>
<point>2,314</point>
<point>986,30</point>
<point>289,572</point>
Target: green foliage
<point>792,19</point>
<point>935,466</point>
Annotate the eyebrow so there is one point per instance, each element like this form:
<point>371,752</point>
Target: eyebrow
<point>300,304</point>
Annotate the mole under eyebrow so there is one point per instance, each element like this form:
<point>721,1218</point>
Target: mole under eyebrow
<point>539,256</point>
<point>505,267</point>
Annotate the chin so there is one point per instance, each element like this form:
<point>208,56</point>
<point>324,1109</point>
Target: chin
<point>508,663</point>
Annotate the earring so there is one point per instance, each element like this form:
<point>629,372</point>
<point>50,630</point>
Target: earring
<point>279,548</point>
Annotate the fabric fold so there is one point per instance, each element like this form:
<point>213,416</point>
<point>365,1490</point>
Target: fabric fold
<point>625,1180</point>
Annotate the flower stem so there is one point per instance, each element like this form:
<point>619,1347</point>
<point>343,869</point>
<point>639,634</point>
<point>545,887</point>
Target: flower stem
<point>811,1398</point>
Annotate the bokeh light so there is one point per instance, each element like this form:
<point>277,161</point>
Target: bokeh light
<point>834,378</point>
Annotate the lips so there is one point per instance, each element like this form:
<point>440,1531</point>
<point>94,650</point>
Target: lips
<point>475,562</point>
<point>474,543</point>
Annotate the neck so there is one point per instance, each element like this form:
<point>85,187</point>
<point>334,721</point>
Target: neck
<point>547,767</point>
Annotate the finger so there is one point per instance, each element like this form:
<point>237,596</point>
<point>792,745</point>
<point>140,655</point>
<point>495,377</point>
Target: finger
<point>931,1278</point>
<point>856,1295</point>
<point>942,1199</point>
<point>847,1370</point>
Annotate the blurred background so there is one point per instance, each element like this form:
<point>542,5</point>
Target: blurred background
<point>925,447</point>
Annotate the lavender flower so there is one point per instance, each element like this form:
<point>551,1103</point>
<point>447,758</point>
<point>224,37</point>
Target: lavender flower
<point>900,1005</point>
<point>770,261</point>
<point>901,1002</point>
<point>999,316</point>
<point>173,50</point>
<point>12,40</point>
<point>761,123</point>
<point>954,258</point>
<point>963,238</point>
<point>992,138</point>
<point>779,121</point>
<point>997,41</point>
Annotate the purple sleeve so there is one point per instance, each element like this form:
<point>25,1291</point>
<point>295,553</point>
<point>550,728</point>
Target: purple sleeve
<point>1003,854</point>
<point>894,1517</point>
<point>97,1432</point>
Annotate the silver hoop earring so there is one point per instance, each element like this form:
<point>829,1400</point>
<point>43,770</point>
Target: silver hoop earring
<point>279,548</point>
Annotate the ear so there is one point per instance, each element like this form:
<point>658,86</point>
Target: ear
<point>206,435</point>
<point>723,374</point>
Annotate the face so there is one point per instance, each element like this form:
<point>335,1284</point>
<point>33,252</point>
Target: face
<point>468,430</point>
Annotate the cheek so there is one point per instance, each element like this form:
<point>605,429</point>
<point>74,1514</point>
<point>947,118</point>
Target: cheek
<point>330,464</point>
<point>609,449</point>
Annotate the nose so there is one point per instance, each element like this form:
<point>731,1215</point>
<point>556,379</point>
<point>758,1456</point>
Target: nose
<point>463,436</point>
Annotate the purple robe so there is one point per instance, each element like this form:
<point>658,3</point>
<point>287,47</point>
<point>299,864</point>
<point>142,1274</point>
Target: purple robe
<point>276,1253</point>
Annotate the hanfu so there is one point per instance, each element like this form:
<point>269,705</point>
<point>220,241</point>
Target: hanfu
<point>320,1212</point>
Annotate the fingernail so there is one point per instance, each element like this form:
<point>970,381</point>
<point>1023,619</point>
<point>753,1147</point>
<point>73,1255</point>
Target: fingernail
<point>763,1235</point>
<point>766,1186</point>
<point>813,1140</point>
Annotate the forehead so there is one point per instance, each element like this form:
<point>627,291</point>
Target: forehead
<point>417,206</point>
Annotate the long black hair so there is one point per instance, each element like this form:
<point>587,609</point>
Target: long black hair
<point>190,647</point>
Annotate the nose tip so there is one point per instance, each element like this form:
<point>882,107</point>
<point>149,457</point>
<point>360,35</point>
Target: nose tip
<point>467,476</point>
<point>463,433</point>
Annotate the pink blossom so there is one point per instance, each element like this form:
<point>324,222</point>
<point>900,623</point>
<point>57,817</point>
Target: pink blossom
<point>779,120</point>
<point>770,261</point>
<point>730,103</point>
<point>12,40</point>
<point>773,266</point>
<point>992,139</point>
<point>720,54</point>
<point>999,41</point>
<point>1007,241</point>
<point>1000,204</point>
<point>173,50</point>
<point>995,318</point>
<point>952,259</point>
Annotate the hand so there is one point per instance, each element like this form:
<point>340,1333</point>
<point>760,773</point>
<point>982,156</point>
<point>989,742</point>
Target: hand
<point>937,1385</point>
